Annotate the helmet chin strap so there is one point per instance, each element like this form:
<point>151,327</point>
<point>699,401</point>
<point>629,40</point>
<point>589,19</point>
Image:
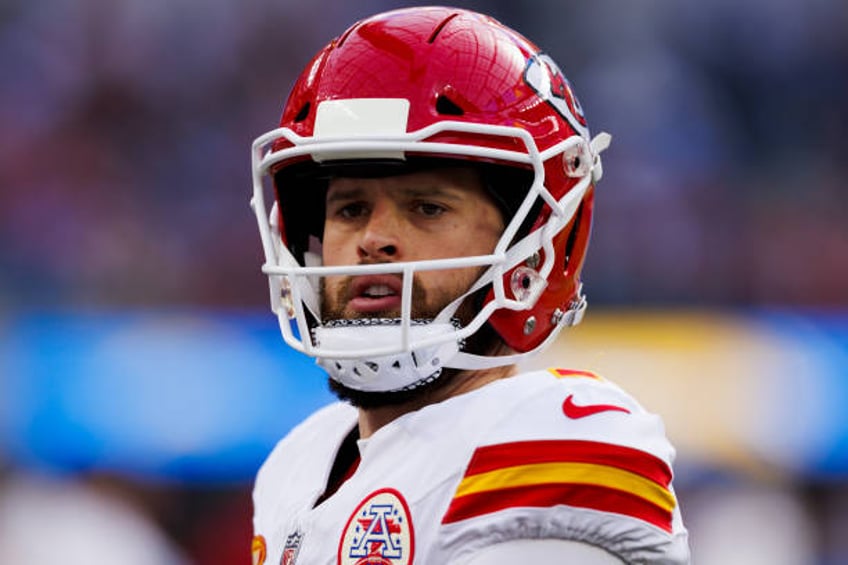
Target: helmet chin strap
<point>386,373</point>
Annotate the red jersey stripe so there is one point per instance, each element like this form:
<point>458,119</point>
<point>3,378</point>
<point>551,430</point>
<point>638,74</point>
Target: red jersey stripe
<point>540,496</point>
<point>502,455</point>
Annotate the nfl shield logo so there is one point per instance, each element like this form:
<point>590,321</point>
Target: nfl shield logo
<point>291,548</point>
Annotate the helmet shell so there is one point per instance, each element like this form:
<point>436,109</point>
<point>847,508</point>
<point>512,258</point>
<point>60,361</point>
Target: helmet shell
<point>458,65</point>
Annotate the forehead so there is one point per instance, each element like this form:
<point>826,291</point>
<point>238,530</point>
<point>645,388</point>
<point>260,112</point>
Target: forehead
<point>460,180</point>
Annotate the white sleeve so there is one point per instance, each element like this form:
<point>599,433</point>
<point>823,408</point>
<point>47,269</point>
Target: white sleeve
<point>543,552</point>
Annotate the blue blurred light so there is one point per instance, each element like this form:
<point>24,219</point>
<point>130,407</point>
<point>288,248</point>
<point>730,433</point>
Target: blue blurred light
<point>190,395</point>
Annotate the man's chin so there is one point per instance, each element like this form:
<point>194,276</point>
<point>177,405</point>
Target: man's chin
<point>371,400</point>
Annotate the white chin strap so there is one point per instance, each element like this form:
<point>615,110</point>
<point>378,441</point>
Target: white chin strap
<point>385,373</point>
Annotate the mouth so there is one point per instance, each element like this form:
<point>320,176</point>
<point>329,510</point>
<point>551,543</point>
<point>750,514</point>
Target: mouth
<point>371,294</point>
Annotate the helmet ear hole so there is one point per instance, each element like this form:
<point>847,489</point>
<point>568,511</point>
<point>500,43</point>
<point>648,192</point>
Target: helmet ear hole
<point>448,107</point>
<point>303,112</point>
<point>572,237</point>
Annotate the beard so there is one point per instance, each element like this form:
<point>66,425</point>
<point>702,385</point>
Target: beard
<point>425,306</point>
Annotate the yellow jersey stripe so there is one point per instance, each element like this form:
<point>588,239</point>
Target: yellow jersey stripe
<point>571,473</point>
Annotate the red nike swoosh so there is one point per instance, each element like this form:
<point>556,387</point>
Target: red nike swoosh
<point>574,411</point>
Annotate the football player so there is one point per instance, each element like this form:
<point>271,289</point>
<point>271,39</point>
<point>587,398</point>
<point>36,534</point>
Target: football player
<point>432,181</point>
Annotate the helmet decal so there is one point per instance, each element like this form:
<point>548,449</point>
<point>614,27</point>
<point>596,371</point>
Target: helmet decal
<point>545,77</point>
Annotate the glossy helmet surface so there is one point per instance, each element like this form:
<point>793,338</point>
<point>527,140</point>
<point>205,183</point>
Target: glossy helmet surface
<point>431,83</point>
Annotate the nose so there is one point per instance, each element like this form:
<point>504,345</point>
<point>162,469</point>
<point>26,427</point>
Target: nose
<point>380,240</point>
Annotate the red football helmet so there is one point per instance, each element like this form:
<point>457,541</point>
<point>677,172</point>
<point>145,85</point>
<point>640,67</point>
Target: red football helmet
<point>406,87</point>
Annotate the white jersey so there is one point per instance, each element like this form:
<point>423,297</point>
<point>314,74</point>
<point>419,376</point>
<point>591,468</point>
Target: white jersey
<point>545,454</point>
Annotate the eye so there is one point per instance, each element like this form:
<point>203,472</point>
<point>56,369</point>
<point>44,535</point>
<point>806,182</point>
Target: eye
<point>351,210</point>
<point>430,209</point>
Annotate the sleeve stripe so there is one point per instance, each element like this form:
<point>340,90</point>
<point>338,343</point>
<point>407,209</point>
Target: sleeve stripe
<point>568,473</point>
<point>587,474</point>
<point>499,456</point>
<point>584,496</point>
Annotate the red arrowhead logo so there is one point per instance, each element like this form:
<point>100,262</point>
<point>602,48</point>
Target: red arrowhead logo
<point>575,411</point>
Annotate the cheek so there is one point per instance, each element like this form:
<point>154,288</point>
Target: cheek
<point>476,236</point>
<point>332,295</point>
<point>443,286</point>
<point>484,233</point>
<point>334,251</point>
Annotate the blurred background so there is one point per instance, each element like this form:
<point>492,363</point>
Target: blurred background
<point>142,376</point>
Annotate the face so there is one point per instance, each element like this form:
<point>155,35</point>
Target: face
<point>432,214</point>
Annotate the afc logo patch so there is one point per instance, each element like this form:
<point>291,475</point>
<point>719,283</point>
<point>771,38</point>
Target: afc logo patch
<point>544,76</point>
<point>379,532</point>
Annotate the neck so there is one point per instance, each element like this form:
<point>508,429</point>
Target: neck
<point>372,419</point>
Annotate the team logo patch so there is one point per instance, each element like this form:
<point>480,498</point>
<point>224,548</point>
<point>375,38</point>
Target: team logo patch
<point>544,76</point>
<point>258,550</point>
<point>291,549</point>
<point>379,532</point>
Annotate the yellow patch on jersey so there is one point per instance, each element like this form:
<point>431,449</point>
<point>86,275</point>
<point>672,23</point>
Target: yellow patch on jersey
<point>563,373</point>
<point>258,550</point>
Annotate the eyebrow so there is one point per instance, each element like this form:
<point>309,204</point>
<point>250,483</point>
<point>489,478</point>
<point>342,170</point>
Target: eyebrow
<point>337,194</point>
<point>416,191</point>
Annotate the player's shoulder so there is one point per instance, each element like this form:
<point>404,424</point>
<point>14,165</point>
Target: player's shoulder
<point>576,420</point>
<point>334,416</point>
<point>570,455</point>
<point>321,431</point>
<point>566,404</point>
<point>587,382</point>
